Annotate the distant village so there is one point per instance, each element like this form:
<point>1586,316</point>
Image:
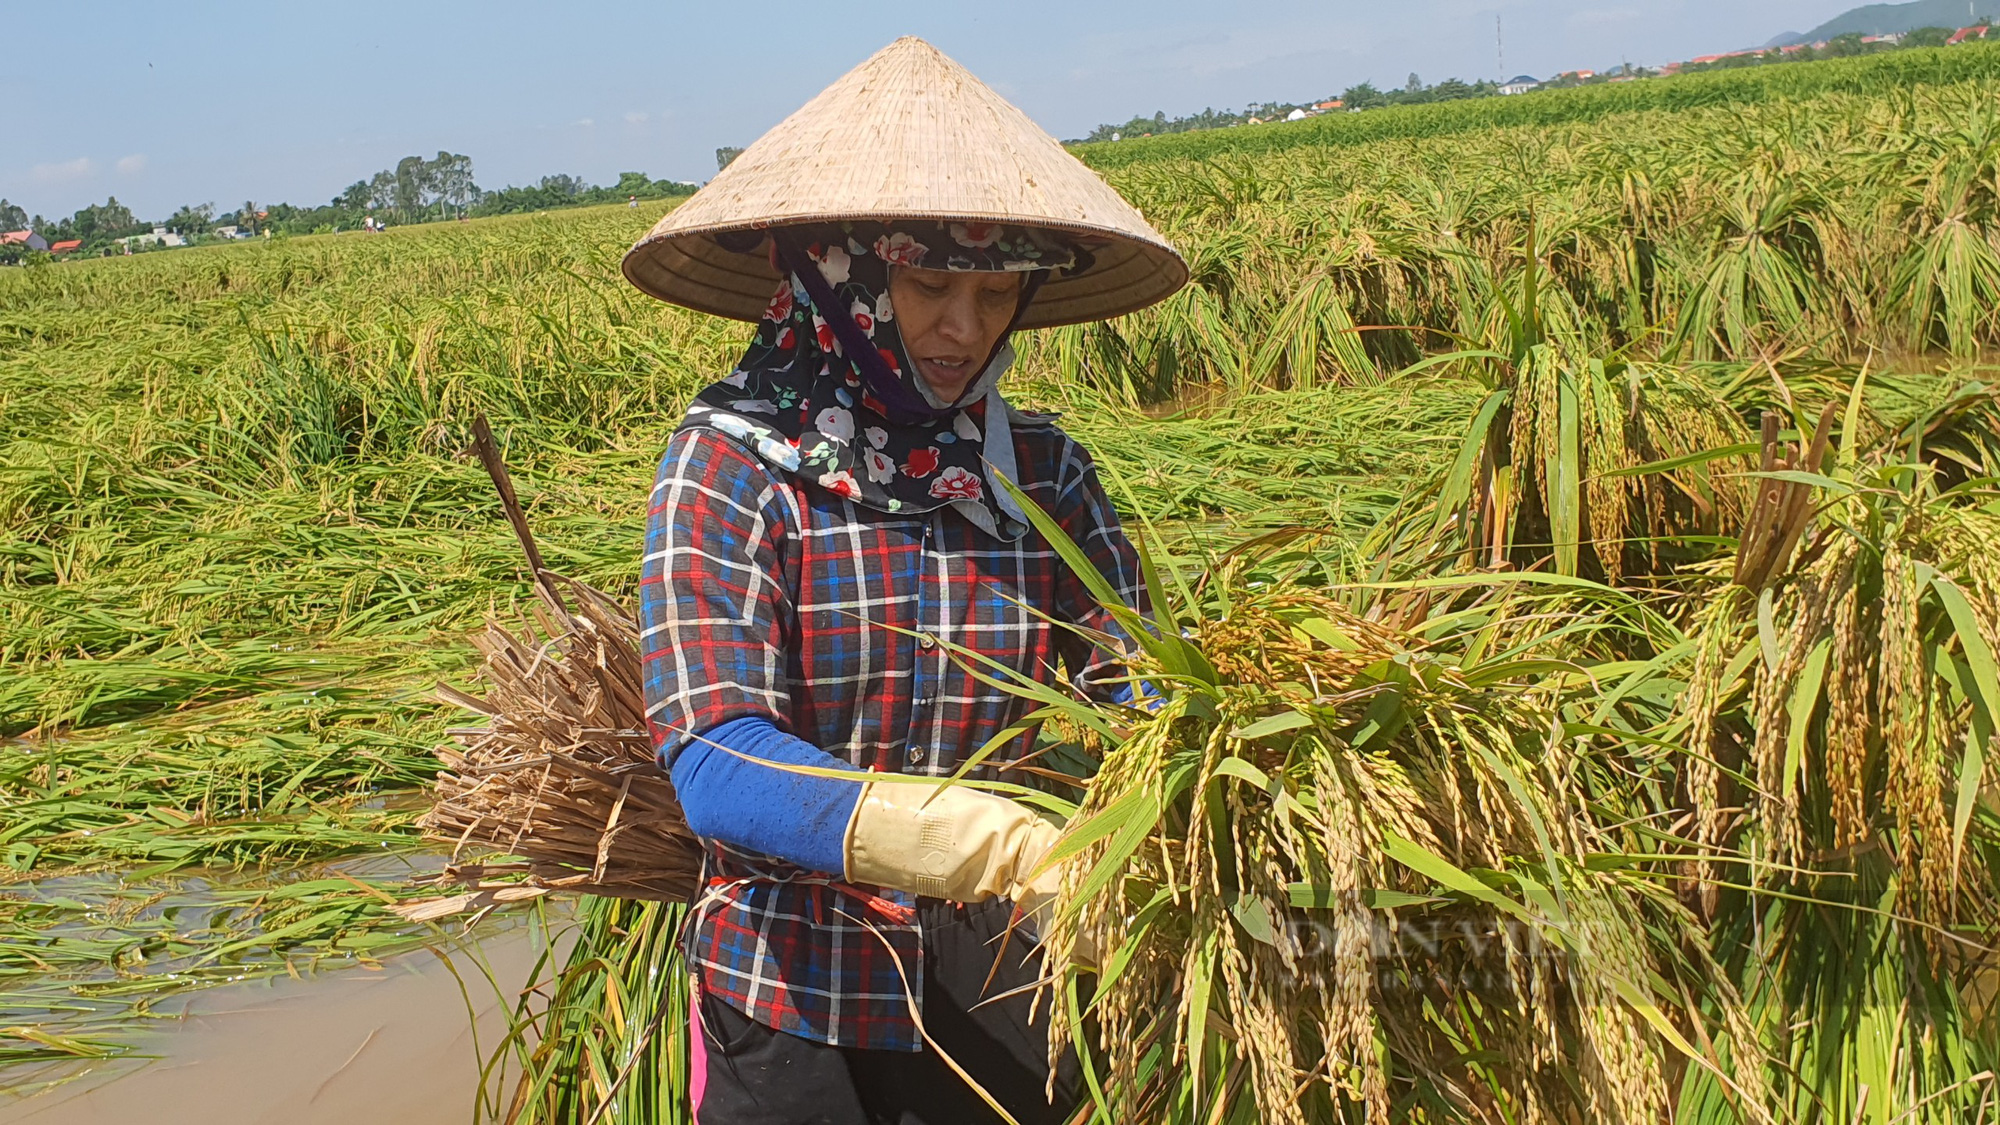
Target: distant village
<point>1366,96</point>
<point>415,191</point>
<point>158,238</point>
<point>419,190</point>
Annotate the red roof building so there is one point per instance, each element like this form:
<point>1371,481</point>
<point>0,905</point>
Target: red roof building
<point>26,238</point>
<point>65,247</point>
<point>1962,34</point>
<point>1717,58</point>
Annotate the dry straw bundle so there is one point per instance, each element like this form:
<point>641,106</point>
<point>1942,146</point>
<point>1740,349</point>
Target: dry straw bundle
<point>563,772</point>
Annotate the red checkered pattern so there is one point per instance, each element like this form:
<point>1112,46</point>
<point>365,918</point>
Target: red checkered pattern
<point>765,596</point>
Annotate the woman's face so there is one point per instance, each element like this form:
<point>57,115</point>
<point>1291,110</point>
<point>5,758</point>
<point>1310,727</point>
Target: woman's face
<point>950,321</point>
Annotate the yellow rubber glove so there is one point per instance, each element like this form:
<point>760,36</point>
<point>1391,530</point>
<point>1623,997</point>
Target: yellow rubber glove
<point>948,842</point>
<point>955,843</point>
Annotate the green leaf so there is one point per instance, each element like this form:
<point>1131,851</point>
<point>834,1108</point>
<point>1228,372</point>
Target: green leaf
<point>1140,924</point>
<point>1805,696</point>
<point>1703,457</point>
<point>1642,1004</point>
<point>1179,657</point>
<point>1254,915</point>
<point>1457,489</point>
<point>1275,724</point>
<point>1565,477</point>
<point>1767,629</point>
<point>1162,606</point>
<point>1971,769</point>
<point>1244,771</point>
<point>1200,982</point>
<point>1797,476</point>
<point>1386,900</point>
<point>1850,426</point>
<point>1325,632</point>
<point>1978,656</point>
<point>1450,357</point>
<point>1444,873</point>
<point>1118,816</point>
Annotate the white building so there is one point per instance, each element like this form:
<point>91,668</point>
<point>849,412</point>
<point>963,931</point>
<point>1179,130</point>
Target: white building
<point>1519,84</point>
<point>161,236</point>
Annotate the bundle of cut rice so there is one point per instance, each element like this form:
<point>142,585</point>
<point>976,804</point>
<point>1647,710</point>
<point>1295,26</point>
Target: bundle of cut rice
<point>562,774</point>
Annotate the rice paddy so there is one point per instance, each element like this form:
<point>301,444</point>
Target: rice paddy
<point>1499,385</point>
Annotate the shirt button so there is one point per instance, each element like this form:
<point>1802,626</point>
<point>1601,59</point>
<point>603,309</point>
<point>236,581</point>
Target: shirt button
<point>926,641</point>
<point>916,755</point>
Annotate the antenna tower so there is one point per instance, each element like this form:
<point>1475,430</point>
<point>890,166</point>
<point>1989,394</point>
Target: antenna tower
<point>1500,49</point>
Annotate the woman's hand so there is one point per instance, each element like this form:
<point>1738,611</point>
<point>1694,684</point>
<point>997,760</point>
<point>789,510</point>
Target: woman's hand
<point>946,841</point>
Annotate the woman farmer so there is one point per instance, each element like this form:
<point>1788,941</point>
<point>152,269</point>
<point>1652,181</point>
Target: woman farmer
<point>827,528</point>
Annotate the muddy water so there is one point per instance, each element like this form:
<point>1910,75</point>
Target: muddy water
<point>397,1046</point>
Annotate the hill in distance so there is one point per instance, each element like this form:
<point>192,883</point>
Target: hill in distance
<point>1888,19</point>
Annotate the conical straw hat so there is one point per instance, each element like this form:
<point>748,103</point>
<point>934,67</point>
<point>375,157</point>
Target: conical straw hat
<point>908,134</point>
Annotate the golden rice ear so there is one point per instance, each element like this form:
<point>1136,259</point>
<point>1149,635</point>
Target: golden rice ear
<point>908,134</point>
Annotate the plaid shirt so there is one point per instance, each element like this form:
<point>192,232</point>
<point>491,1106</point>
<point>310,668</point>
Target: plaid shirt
<point>763,596</point>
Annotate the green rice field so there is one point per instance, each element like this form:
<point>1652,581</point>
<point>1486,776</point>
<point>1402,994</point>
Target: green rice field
<point>241,537</point>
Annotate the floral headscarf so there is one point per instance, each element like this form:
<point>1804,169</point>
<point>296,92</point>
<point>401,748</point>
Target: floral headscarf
<point>827,393</point>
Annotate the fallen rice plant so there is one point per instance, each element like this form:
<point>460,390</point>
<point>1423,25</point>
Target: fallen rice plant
<point>238,544</point>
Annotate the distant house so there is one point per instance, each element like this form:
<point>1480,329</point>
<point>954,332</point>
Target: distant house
<point>1519,84</point>
<point>161,236</point>
<point>1330,103</point>
<point>26,238</point>
<point>1978,31</point>
<point>65,247</point>
<point>225,232</point>
<point>1704,60</point>
<point>1296,115</point>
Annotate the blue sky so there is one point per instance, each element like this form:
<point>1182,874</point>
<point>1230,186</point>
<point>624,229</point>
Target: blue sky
<point>168,104</point>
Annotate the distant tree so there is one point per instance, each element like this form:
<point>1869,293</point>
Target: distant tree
<point>1927,37</point>
<point>563,184</point>
<point>355,198</point>
<point>409,196</point>
<point>448,179</point>
<point>1363,96</point>
<point>12,217</point>
<point>1844,46</point>
<point>106,220</point>
<point>192,218</point>
<point>724,155</point>
<point>382,191</point>
<point>1414,85</point>
<point>246,217</point>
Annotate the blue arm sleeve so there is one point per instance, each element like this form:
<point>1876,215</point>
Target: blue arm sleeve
<point>1143,695</point>
<point>772,812</point>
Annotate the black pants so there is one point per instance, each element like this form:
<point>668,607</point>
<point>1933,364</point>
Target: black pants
<point>758,1076</point>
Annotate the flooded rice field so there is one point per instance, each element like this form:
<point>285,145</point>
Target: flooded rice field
<point>402,1042</point>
